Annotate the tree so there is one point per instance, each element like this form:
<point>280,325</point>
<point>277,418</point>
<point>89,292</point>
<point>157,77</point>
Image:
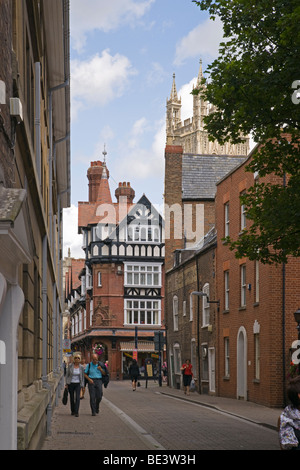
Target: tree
<point>254,87</point>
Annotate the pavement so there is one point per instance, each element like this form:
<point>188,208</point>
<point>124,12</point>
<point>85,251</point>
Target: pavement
<point>247,410</point>
<point>118,431</point>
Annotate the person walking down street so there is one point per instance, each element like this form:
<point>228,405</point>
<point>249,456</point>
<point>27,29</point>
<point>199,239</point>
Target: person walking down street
<point>82,393</point>
<point>165,371</point>
<point>187,374</point>
<point>134,372</point>
<point>94,373</point>
<point>74,383</point>
<point>289,421</point>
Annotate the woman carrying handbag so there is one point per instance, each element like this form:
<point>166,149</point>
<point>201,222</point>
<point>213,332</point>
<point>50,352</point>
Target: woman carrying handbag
<point>74,384</point>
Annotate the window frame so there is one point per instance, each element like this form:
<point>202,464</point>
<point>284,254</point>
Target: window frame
<point>243,285</point>
<point>136,314</point>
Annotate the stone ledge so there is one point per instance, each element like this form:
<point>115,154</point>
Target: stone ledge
<point>31,415</point>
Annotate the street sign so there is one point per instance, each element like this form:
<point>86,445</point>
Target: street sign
<point>66,345</point>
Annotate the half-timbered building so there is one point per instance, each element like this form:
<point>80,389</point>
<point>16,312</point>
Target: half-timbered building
<point>122,282</point>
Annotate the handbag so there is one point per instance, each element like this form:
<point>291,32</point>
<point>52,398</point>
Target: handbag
<point>65,396</point>
<point>192,386</point>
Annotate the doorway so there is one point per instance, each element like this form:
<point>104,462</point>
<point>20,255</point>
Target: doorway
<point>242,364</point>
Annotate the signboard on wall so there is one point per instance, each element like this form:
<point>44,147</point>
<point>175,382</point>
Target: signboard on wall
<point>66,345</point>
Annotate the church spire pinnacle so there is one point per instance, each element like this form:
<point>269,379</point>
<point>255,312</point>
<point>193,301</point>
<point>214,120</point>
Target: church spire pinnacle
<point>104,172</point>
<point>174,91</point>
<point>200,73</point>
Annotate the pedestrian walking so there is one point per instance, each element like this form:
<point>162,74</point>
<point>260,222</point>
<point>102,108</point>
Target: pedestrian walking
<point>74,383</point>
<point>134,372</point>
<point>82,393</point>
<point>94,373</point>
<point>289,421</point>
<point>187,374</point>
<point>165,371</point>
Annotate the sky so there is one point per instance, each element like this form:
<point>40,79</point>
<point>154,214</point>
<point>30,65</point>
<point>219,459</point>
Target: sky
<point>123,56</point>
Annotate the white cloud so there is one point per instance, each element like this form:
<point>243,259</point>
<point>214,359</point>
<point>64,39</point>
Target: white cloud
<point>187,99</point>
<point>143,160</point>
<point>202,42</point>
<point>90,15</point>
<point>71,239</point>
<point>156,74</point>
<point>98,80</point>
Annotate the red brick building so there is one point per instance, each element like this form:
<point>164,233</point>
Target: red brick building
<point>257,304</point>
<point>121,302</point>
<point>190,189</point>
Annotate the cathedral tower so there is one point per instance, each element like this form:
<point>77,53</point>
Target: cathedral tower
<point>191,134</point>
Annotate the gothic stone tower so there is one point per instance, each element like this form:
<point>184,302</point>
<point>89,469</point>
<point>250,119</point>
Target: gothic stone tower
<point>191,134</point>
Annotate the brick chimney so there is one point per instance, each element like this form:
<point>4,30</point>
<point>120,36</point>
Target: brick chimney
<point>125,190</point>
<point>94,175</point>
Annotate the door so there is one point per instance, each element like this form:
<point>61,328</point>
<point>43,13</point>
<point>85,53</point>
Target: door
<point>242,364</point>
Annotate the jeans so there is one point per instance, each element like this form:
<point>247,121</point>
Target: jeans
<point>74,391</point>
<point>95,391</point>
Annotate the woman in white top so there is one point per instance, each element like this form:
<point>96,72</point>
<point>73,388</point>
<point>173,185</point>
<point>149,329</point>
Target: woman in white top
<point>74,383</point>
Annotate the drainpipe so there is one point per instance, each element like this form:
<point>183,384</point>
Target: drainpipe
<point>198,326</point>
<point>283,321</point>
<point>44,313</point>
<point>37,120</point>
<point>45,334</point>
<point>51,91</point>
<point>54,329</point>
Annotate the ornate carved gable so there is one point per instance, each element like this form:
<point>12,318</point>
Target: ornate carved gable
<point>101,315</point>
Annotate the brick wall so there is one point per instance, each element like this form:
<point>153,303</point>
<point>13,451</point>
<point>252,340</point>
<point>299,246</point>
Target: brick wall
<point>274,318</point>
<point>173,195</point>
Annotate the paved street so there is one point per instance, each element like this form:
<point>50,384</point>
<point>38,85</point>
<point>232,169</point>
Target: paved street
<point>159,418</point>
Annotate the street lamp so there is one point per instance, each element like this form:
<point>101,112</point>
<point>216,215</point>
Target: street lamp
<point>297,319</point>
<point>203,294</point>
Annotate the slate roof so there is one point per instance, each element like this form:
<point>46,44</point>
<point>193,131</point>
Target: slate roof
<point>200,173</point>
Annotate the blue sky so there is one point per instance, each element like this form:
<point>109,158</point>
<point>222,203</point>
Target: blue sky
<point>123,56</point>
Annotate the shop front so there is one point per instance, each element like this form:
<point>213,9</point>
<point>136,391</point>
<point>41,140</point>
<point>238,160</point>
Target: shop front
<point>142,353</point>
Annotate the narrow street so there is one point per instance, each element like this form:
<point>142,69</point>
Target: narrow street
<point>148,419</point>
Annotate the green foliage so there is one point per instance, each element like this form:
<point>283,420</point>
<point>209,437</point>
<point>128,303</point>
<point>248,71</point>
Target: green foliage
<point>250,85</point>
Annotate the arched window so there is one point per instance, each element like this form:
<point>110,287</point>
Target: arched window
<point>205,305</point>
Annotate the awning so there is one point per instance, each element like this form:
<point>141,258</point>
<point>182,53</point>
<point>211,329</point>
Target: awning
<point>143,346</point>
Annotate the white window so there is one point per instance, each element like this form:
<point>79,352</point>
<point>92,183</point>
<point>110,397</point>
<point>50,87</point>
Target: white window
<point>143,233</point>
<point>142,312</point>
<point>226,288</point>
<point>191,307</point>
<point>227,357</point>
<point>243,285</point>
<point>226,214</point>
<point>175,313</point>
<point>99,279</point>
<point>184,308</point>
<point>243,216</point>
<point>257,356</point>
<point>89,279</point>
<point>138,275</point>
<point>91,311</point>
<point>80,322</point>
<point>177,358</point>
<point>205,305</point>
<point>83,285</point>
